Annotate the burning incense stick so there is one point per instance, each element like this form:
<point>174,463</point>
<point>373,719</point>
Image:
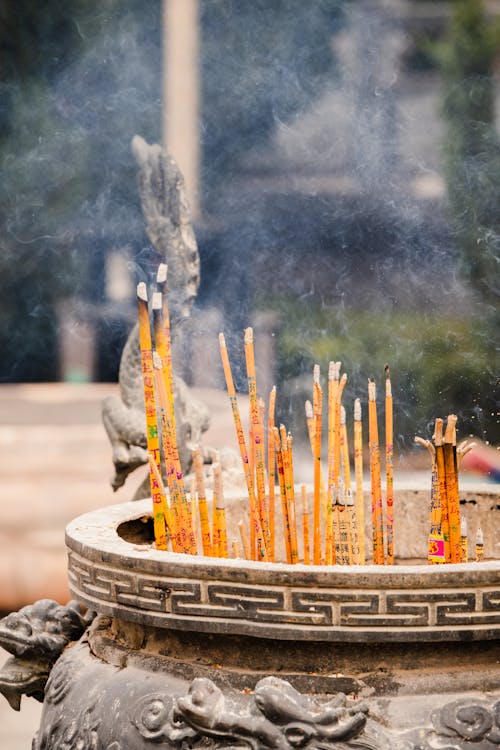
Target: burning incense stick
<point>479,545</point>
<point>435,541</point>
<point>443,498</point>
<point>271,472</point>
<point>358,470</point>
<point>256,536</point>
<point>305,525</point>
<point>450,468</point>
<point>182,508</point>
<point>318,408</point>
<point>244,540</point>
<point>286,449</point>
<point>206,540</point>
<point>161,488</point>
<point>163,339</point>
<point>153,443</point>
<point>219,527</point>
<point>333,386</point>
<point>389,519</point>
<point>257,435</point>
<point>324,502</point>
<point>284,504</point>
<point>464,543</point>
<point>377,517</point>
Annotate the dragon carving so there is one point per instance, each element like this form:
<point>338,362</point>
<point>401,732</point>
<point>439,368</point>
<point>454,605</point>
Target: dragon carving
<point>36,636</point>
<point>168,226</point>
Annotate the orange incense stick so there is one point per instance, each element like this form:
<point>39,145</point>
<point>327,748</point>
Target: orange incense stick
<point>256,536</point>
<point>349,509</point>
<point>435,542</point>
<point>206,540</point>
<point>358,471</point>
<point>450,468</point>
<point>377,517</point>
<point>333,387</point>
<point>284,505</point>
<point>235,549</point>
<point>161,488</point>
<point>271,471</point>
<point>152,438</point>
<point>305,525</point>
<point>286,449</point>
<point>257,436</point>
<point>389,518</point>
<point>163,343</point>
<point>220,529</point>
<point>183,519</point>
<point>244,540</point>
<point>443,498</point>
<point>318,410</point>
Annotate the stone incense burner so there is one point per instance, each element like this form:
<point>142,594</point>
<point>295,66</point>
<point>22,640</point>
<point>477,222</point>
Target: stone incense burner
<point>186,652</point>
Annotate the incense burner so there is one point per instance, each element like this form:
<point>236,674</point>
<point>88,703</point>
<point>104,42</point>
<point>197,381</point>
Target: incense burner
<point>195,652</point>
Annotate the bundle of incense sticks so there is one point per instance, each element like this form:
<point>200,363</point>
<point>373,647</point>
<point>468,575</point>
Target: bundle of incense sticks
<point>447,539</point>
<point>181,519</point>
<point>337,533</point>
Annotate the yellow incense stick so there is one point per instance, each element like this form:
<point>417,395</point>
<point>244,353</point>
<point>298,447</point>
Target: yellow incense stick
<point>318,410</point>
<point>284,505</point>
<point>435,542</point>
<point>464,543</point>
<point>152,438</point>
<point>305,525</point>
<point>163,343</point>
<point>206,540</point>
<point>256,535</point>
<point>333,386</point>
<point>257,435</point>
<point>479,546</point>
<point>345,553</point>
<point>220,529</point>
<point>271,472</point>
<point>183,519</point>
<point>443,498</point>
<point>161,488</point>
<point>358,470</point>
<point>194,512</point>
<point>324,503</point>
<point>450,470</point>
<point>389,516</point>
<point>377,518</point>
<point>244,540</point>
<point>286,449</point>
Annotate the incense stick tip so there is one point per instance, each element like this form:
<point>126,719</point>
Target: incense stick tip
<point>142,292</point>
<point>309,410</point>
<point>157,362</point>
<point>248,338</point>
<point>372,390</point>
<point>316,374</point>
<point>156,301</point>
<point>331,371</point>
<point>357,409</point>
<point>222,339</point>
<point>161,273</point>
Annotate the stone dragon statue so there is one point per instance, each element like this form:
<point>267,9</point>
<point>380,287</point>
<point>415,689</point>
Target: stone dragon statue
<point>168,227</point>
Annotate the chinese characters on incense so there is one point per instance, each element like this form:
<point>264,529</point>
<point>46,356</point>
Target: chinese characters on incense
<point>193,521</point>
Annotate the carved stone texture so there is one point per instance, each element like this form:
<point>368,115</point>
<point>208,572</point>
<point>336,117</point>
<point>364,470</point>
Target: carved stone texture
<point>470,723</point>
<point>134,709</point>
<point>168,227</point>
<point>369,603</point>
<point>36,636</point>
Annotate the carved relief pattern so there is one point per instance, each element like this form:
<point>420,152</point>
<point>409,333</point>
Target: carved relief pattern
<point>171,601</point>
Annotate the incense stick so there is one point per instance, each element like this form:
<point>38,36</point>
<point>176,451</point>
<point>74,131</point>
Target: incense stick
<point>256,536</point>
<point>271,472</point>
<point>443,498</point>
<point>358,470</point>
<point>153,443</point>
<point>206,540</point>
<point>377,518</point>
<point>317,407</point>
<point>305,525</point>
<point>450,468</point>
<point>389,500</point>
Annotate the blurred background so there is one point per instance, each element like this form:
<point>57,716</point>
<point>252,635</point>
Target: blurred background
<point>342,159</point>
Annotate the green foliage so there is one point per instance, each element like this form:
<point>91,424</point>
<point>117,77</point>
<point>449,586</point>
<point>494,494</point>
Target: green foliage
<point>466,58</point>
<point>438,365</point>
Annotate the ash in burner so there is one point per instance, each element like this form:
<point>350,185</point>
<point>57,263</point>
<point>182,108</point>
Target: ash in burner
<point>138,531</point>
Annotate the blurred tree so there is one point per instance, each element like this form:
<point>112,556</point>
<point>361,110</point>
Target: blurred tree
<point>466,57</point>
<point>77,80</point>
